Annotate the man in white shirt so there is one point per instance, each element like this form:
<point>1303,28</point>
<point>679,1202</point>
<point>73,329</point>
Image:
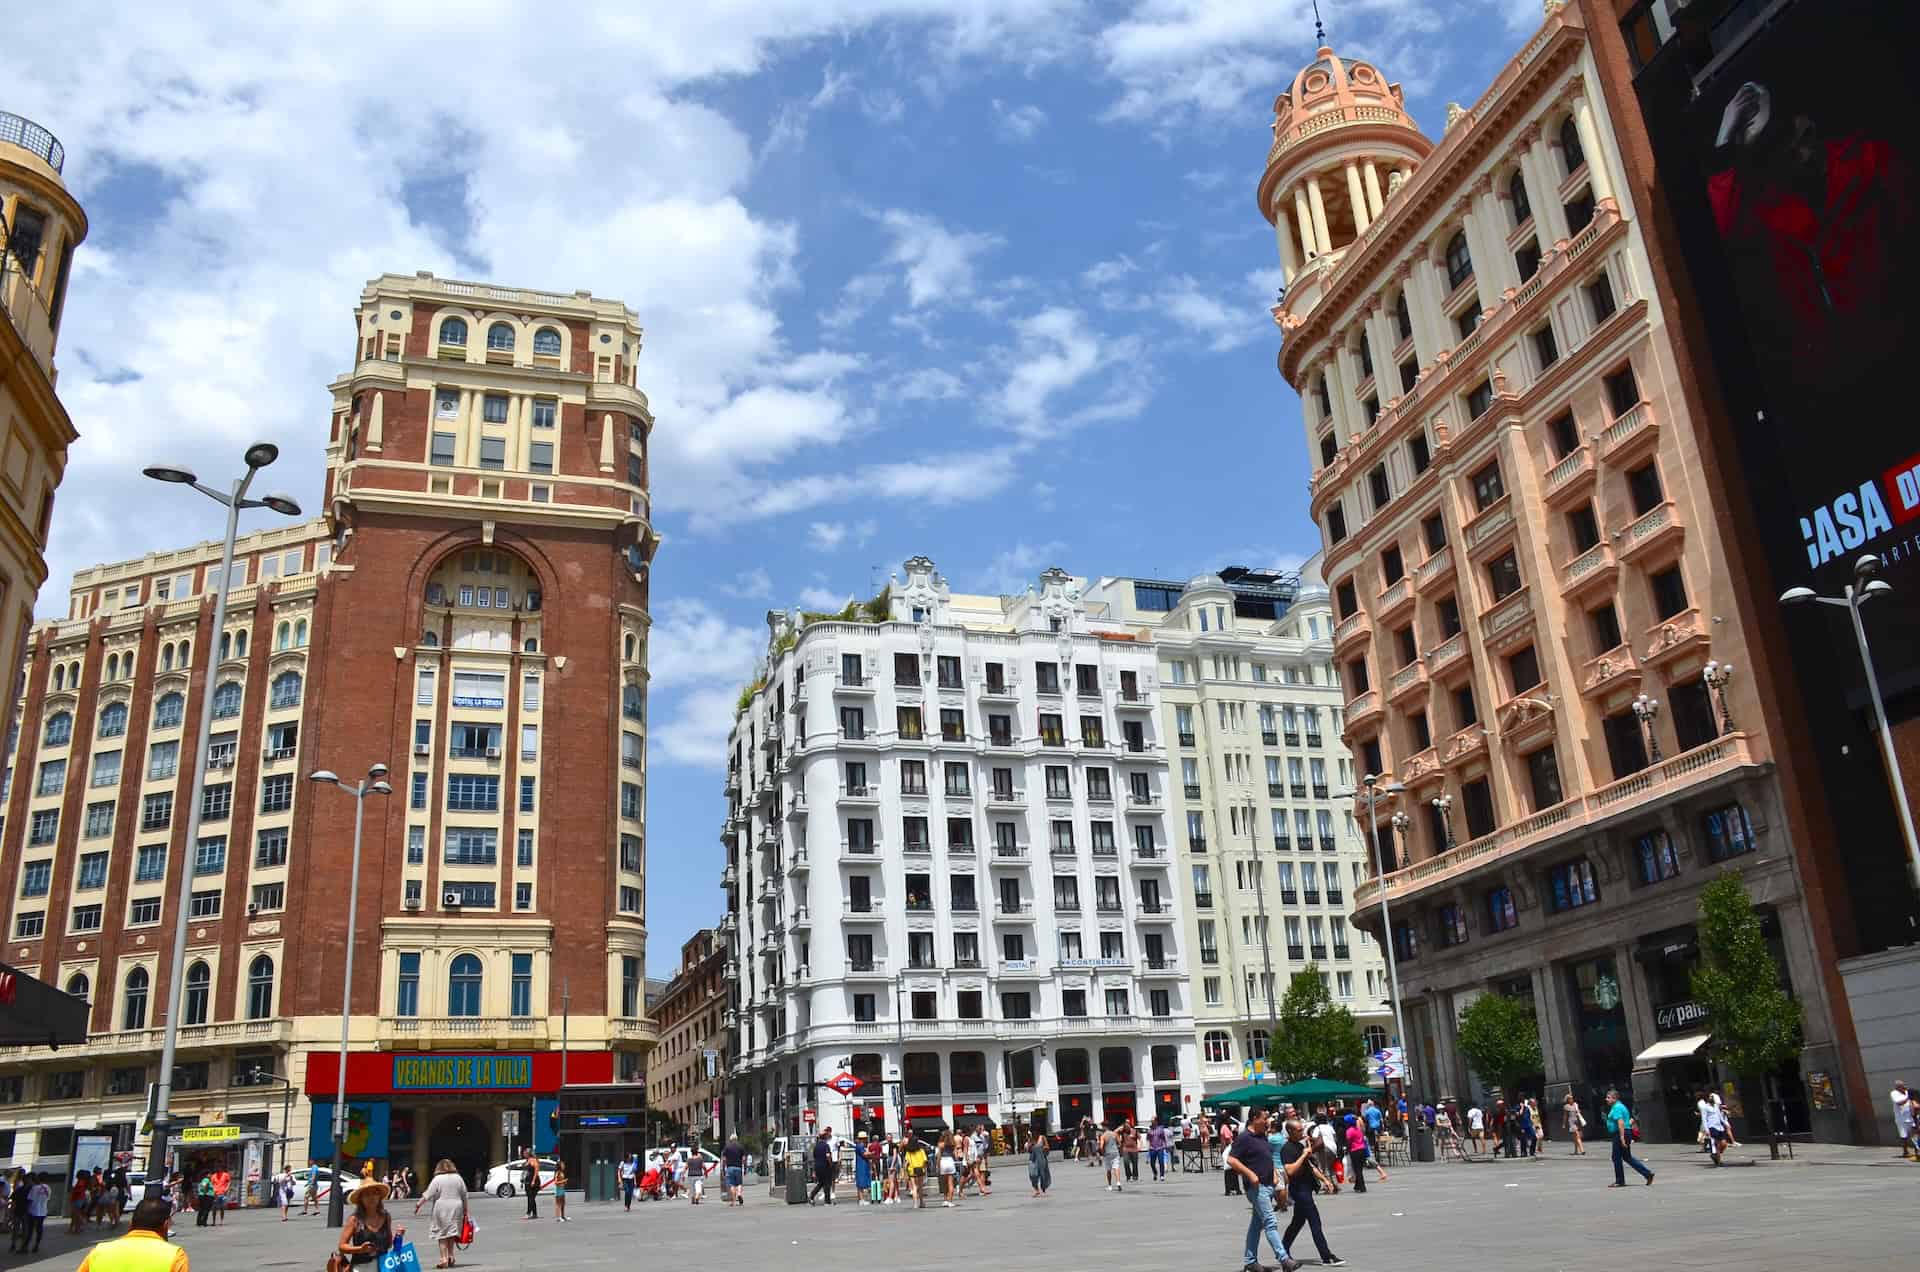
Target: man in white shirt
<point>1713,1124</point>
<point>1476,1124</point>
<point>1905,1118</point>
<point>1325,1146</point>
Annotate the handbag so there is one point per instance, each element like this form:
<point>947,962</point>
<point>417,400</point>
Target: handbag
<point>467,1232</point>
<point>400,1257</point>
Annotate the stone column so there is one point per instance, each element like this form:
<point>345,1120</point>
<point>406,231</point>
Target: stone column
<point>1317,202</point>
<point>1433,284</point>
<point>1590,143</point>
<point>1493,237</point>
<point>1548,216</point>
<point>1340,393</point>
<point>1290,261</point>
<point>1371,178</point>
<point>1358,196</point>
<point>1303,217</point>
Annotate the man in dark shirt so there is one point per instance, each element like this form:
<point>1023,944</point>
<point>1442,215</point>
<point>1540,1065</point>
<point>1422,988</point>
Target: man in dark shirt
<point>733,1180</point>
<point>825,1168</point>
<point>1251,1159</point>
<point>1296,1159</point>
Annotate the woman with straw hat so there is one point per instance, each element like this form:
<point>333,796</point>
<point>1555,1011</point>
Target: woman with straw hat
<point>369,1231</point>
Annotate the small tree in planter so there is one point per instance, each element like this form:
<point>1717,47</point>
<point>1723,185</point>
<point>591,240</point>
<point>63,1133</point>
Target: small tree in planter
<point>1501,1040</point>
<point>1317,1037</point>
<point>1756,1023</point>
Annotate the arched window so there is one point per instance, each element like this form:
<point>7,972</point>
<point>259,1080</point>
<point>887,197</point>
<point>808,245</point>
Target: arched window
<point>628,648</point>
<point>630,703</point>
<point>463,986</point>
<point>240,643</point>
<point>113,720</point>
<point>260,988</point>
<point>300,634</point>
<point>1517,191</point>
<point>199,982</point>
<point>59,678</point>
<point>286,690</point>
<point>1375,1037</point>
<point>226,700</point>
<point>166,657</point>
<point>1257,1044</point>
<point>453,332</point>
<point>59,728</point>
<point>134,1016</point>
<point>1219,1046</point>
<point>113,666</point>
<point>79,986</point>
<point>226,646</point>
<point>168,712</point>
<point>500,336</point>
<point>282,635</point>
<point>1459,260</point>
<point>1570,150</point>
<point>546,342</point>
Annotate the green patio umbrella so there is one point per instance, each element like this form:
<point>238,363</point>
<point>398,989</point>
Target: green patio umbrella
<point>1257,1094</point>
<point>1310,1089</point>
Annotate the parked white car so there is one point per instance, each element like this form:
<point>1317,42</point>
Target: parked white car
<point>505,1180</point>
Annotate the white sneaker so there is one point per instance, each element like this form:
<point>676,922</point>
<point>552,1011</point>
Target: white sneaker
<point>947,1204</point>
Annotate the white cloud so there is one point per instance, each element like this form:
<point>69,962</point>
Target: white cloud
<point>1223,327</point>
<point>1210,179</point>
<point>698,661</point>
<point>1062,374</point>
<point>753,585</point>
<point>937,263</point>
<point>1013,569</point>
<point>827,535</point>
<point>1020,122</point>
<point>928,384</point>
<point>1107,273</point>
<point>823,600</point>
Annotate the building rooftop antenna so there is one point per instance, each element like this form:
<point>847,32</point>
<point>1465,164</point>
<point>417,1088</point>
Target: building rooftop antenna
<point>1319,28</point>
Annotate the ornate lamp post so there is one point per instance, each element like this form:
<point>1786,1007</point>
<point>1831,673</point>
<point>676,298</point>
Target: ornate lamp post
<point>1646,710</point>
<point>1716,674</point>
<point>1401,857</point>
<point>1444,803</point>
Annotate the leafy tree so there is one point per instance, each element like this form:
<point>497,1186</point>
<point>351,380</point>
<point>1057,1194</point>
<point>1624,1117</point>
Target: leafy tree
<point>1756,1024</point>
<point>1501,1040</point>
<point>1317,1038</point>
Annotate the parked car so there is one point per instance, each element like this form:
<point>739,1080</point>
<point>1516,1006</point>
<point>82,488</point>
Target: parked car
<point>777,1151</point>
<point>505,1180</point>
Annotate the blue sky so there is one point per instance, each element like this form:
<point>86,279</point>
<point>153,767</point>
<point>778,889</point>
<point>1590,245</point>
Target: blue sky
<point>982,279</point>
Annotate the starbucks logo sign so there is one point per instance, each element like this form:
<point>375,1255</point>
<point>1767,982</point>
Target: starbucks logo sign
<point>1606,993</point>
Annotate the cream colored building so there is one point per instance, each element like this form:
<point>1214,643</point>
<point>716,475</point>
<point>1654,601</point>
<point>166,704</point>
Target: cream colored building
<point>1530,585</point>
<point>40,226</point>
<point>1269,853</point>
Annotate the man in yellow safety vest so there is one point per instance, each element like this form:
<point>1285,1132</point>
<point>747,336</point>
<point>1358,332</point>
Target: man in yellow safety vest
<point>145,1248</point>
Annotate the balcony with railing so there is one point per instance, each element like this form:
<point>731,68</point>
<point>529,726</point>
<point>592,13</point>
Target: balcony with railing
<point>1327,843</point>
<point>1191,790</point>
<point>1269,737</point>
<point>1723,757</point>
<point>1187,740</point>
<point>1276,790</point>
<point>1647,532</point>
<point>1196,843</point>
<point>1631,428</point>
<point>1363,708</point>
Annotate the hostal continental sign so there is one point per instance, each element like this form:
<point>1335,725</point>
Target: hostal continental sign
<point>455,1073</point>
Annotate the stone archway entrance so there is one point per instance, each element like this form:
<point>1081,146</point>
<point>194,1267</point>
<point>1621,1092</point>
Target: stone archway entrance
<point>463,1138</point>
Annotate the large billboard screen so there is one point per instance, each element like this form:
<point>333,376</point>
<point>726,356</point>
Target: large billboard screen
<point>1787,156</point>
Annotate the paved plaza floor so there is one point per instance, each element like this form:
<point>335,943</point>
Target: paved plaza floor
<point>1837,1208</point>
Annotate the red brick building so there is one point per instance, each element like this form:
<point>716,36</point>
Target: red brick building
<point>469,608</point>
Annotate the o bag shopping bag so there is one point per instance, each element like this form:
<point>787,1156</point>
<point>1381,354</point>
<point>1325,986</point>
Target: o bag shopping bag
<point>400,1257</point>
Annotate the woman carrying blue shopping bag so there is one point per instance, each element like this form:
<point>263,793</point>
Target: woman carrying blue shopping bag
<point>370,1235</point>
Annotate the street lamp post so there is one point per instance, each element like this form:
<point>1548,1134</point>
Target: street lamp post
<point>1864,588</point>
<point>1445,804</point>
<point>375,784</point>
<point>1646,710</point>
<point>1400,822</point>
<point>234,500</point>
<point>1372,796</point>
<point>1716,674</point>
<point>1266,947</point>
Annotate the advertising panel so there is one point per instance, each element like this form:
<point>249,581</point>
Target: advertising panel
<point>1786,154</point>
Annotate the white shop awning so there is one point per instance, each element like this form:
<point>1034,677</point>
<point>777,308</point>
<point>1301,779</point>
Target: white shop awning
<point>1672,1048</point>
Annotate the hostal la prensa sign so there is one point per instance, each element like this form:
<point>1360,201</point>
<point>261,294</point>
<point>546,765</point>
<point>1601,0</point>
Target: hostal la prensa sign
<point>1676,1017</point>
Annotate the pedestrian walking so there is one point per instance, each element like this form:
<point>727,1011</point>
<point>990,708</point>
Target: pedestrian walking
<point>1906,1118</point>
<point>825,1169</point>
<point>1130,1150</point>
<point>369,1231</point>
<point>283,1191</point>
<point>1158,1137</point>
<point>222,1187</point>
<point>1324,1141</point>
<point>1529,1138</point>
<point>733,1172</point>
<point>983,1161</point>
<point>1620,1128</point>
<point>1296,1163</point>
<point>1356,1150</point>
<point>145,1248</point>
<point>1250,1159</point>
<point>310,1194</point>
<point>1576,1123</point>
<point>1110,1155</point>
<point>530,1182</point>
<point>1374,1117</point>
<point>559,1191</point>
<point>1039,1172</point>
<point>862,1170</point>
<point>914,1157</point>
<point>1713,1124</point>
<point>39,1200</point>
<point>1228,1134</point>
<point>629,1169</point>
<point>446,1201</point>
<point>1477,1128</point>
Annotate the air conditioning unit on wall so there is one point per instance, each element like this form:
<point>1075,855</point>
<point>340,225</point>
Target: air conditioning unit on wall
<point>450,898</point>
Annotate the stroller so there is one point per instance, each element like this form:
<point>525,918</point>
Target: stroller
<point>649,1189</point>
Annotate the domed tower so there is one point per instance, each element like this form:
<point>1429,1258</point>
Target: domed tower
<point>1343,144</point>
<point>40,226</point>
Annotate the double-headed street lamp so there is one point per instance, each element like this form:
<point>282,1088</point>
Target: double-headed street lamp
<point>1864,588</point>
<point>1646,710</point>
<point>1716,675</point>
<point>1373,795</point>
<point>1443,804</point>
<point>258,456</point>
<point>375,784</point>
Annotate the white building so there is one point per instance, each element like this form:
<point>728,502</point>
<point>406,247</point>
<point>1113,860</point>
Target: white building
<point>949,869</point>
<point>1269,853</point>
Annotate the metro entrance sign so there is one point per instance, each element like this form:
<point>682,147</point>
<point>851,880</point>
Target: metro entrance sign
<point>844,1083</point>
